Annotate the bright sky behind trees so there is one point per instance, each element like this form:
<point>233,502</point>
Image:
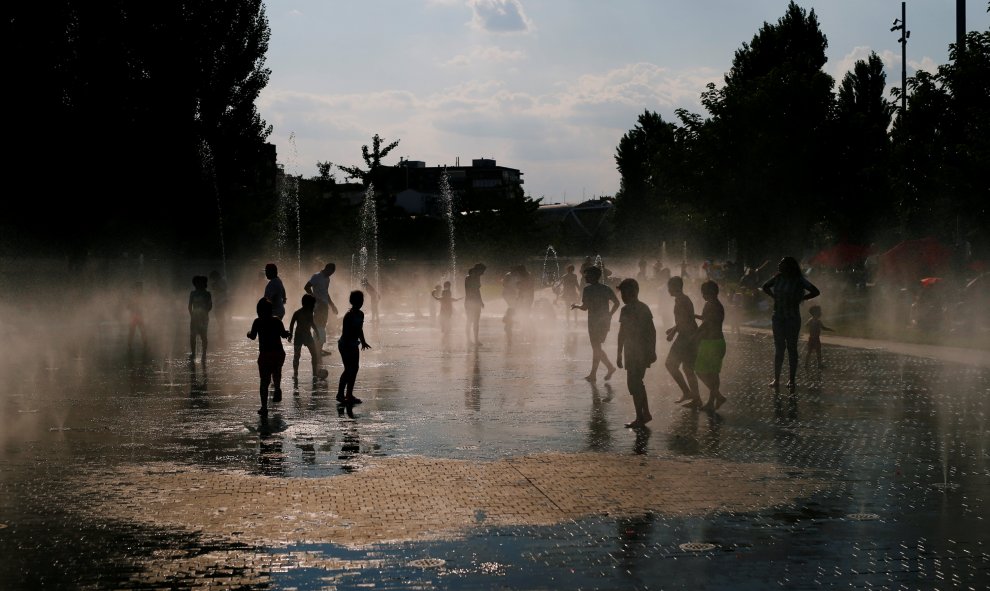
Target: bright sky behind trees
<point>545,86</point>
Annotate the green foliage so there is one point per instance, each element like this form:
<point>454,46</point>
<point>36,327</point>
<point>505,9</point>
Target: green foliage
<point>372,159</point>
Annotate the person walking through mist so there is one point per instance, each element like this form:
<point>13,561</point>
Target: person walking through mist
<point>595,300</point>
<point>318,286</point>
<point>473,302</point>
<point>275,291</point>
<point>788,288</point>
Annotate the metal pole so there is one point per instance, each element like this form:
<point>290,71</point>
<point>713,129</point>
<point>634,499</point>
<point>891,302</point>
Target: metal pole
<point>904,34</point>
<point>960,25</point>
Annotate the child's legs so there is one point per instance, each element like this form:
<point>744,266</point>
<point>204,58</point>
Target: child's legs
<point>277,372</point>
<point>791,335</point>
<point>314,352</point>
<point>350,357</point>
<point>779,346</point>
<point>637,388</point>
<point>296,353</point>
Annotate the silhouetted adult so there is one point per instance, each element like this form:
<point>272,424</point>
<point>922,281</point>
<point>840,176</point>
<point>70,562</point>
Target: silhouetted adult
<point>473,302</point>
<point>275,291</point>
<point>788,288</point>
<point>318,286</point>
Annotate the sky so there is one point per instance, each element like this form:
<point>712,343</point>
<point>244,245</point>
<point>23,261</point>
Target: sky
<point>548,87</point>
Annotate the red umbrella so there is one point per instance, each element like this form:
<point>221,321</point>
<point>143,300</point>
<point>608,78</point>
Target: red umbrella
<point>913,259</point>
<point>840,255</point>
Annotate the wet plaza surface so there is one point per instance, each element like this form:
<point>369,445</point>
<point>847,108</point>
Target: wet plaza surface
<point>489,468</point>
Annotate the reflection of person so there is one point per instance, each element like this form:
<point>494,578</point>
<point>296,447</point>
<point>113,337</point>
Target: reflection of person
<point>135,306</point>
<point>318,286</point>
<point>711,345</point>
<point>680,359</point>
<point>200,304</point>
<point>815,328</point>
<point>269,331</point>
<point>350,344</point>
<point>788,288</point>
<point>473,302</point>
<point>595,300</point>
<point>275,291</point>
<point>303,329</point>
<point>637,348</point>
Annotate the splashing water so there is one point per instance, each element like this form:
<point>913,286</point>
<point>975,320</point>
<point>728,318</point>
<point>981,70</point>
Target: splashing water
<point>551,271</point>
<point>209,171</point>
<point>369,237</point>
<point>448,212</point>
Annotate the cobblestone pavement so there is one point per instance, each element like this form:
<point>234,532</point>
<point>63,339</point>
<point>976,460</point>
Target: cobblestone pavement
<point>490,468</point>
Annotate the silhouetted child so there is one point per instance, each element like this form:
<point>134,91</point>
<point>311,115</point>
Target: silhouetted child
<point>349,344</point>
<point>135,308</point>
<point>271,356</point>
<point>595,300</point>
<point>711,345</point>
<point>275,291</point>
<point>446,300</point>
<point>200,304</point>
<point>684,350</point>
<point>302,327</point>
<point>815,328</point>
<point>373,298</point>
<point>637,348</point>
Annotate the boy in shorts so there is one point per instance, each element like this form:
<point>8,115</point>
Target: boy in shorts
<point>269,331</point>
<point>637,349</point>
<point>711,345</point>
<point>595,300</point>
<point>685,348</point>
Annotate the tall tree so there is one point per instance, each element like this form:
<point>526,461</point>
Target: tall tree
<point>861,202</point>
<point>128,95</point>
<point>769,125</point>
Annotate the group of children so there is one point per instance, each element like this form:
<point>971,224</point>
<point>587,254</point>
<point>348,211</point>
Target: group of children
<point>696,351</point>
<point>303,331</point>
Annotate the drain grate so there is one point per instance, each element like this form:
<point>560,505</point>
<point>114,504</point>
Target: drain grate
<point>697,547</point>
<point>863,516</point>
<point>427,562</point>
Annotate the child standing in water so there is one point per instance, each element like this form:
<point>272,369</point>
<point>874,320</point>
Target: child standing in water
<point>569,292</point>
<point>373,298</point>
<point>815,328</point>
<point>711,345</point>
<point>350,344</point>
<point>306,334</point>
<point>595,300</point>
<point>200,304</point>
<point>637,348</point>
<point>271,356</point>
<point>446,300</point>
<point>684,350</point>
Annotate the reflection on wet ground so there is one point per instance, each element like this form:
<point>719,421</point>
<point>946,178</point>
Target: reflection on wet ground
<point>490,468</point>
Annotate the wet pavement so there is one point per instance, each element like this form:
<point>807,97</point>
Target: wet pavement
<point>493,468</point>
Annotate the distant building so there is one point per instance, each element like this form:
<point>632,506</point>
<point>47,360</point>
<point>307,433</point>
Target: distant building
<point>483,185</point>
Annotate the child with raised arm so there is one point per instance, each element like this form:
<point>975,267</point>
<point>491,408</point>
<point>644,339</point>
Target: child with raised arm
<point>269,331</point>
<point>711,345</point>
<point>637,349</point>
<point>303,328</point>
<point>815,328</point>
<point>446,300</point>
<point>200,304</point>
<point>349,344</point>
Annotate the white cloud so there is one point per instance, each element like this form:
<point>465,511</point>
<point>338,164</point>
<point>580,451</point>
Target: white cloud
<point>848,61</point>
<point>485,56</point>
<point>499,16</point>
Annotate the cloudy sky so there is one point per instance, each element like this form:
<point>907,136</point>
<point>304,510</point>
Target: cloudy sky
<point>545,86</point>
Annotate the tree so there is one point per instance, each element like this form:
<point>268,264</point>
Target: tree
<point>768,132</point>
<point>372,159</point>
<point>151,109</point>
<point>861,202</point>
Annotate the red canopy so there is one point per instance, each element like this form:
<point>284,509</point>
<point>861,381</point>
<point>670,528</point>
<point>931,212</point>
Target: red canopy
<point>913,259</point>
<point>840,256</point>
